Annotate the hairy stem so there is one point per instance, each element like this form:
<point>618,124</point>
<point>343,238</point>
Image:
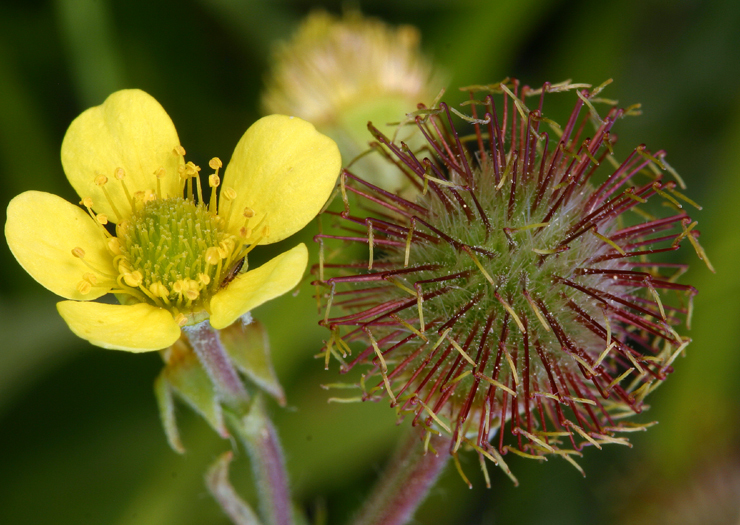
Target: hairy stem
<point>260,438</point>
<point>216,362</point>
<point>405,482</point>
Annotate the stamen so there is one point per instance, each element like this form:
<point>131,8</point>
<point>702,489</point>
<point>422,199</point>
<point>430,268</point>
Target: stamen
<point>120,174</point>
<point>100,181</point>
<point>133,279</point>
<point>213,181</point>
<point>79,253</point>
<point>228,195</point>
<point>159,174</point>
<point>84,287</point>
<point>100,219</point>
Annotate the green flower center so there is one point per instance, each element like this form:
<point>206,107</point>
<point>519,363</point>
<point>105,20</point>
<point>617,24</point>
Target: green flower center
<point>176,252</point>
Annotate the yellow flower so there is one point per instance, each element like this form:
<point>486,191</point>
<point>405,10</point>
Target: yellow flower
<point>146,234</point>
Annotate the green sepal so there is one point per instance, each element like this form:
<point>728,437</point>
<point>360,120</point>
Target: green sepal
<point>248,346</point>
<point>166,404</point>
<point>217,480</point>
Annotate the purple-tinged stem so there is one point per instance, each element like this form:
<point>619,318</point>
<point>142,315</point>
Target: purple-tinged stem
<point>260,438</point>
<point>406,482</point>
<point>214,359</point>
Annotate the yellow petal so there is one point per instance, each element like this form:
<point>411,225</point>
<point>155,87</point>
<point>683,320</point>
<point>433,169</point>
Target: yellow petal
<point>130,131</point>
<point>282,168</point>
<point>43,229</point>
<point>135,328</point>
<point>255,287</point>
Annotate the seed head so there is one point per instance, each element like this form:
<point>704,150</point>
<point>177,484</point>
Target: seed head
<point>512,305</point>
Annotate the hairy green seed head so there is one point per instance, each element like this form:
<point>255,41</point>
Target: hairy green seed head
<point>515,295</point>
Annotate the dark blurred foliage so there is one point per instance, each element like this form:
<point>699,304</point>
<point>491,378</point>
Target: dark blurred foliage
<point>81,441</point>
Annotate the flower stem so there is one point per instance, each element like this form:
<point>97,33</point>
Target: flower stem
<point>405,482</point>
<point>216,362</point>
<point>260,438</point>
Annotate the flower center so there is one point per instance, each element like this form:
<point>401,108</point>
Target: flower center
<point>176,252</point>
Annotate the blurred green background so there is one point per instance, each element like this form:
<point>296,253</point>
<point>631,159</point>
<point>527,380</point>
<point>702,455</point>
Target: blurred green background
<point>80,440</point>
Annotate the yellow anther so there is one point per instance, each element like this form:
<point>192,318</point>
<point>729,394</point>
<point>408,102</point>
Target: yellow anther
<point>213,181</point>
<point>213,256</point>
<point>133,279</point>
<point>139,196</point>
<point>90,278</point>
<point>181,320</point>
<point>87,202</point>
<point>160,173</point>
<point>124,267</point>
<point>114,245</point>
<point>215,163</point>
<point>78,252</point>
<point>204,279</point>
<point>192,294</point>
<point>248,213</point>
<point>84,287</point>
<point>191,169</point>
<point>120,173</point>
<point>100,180</point>
<point>179,150</point>
<point>122,228</point>
<point>102,218</point>
<point>227,245</point>
<point>245,233</point>
<point>149,195</point>
<point>159,290</point>
<point>229,194</point>
<point>183,171</point>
